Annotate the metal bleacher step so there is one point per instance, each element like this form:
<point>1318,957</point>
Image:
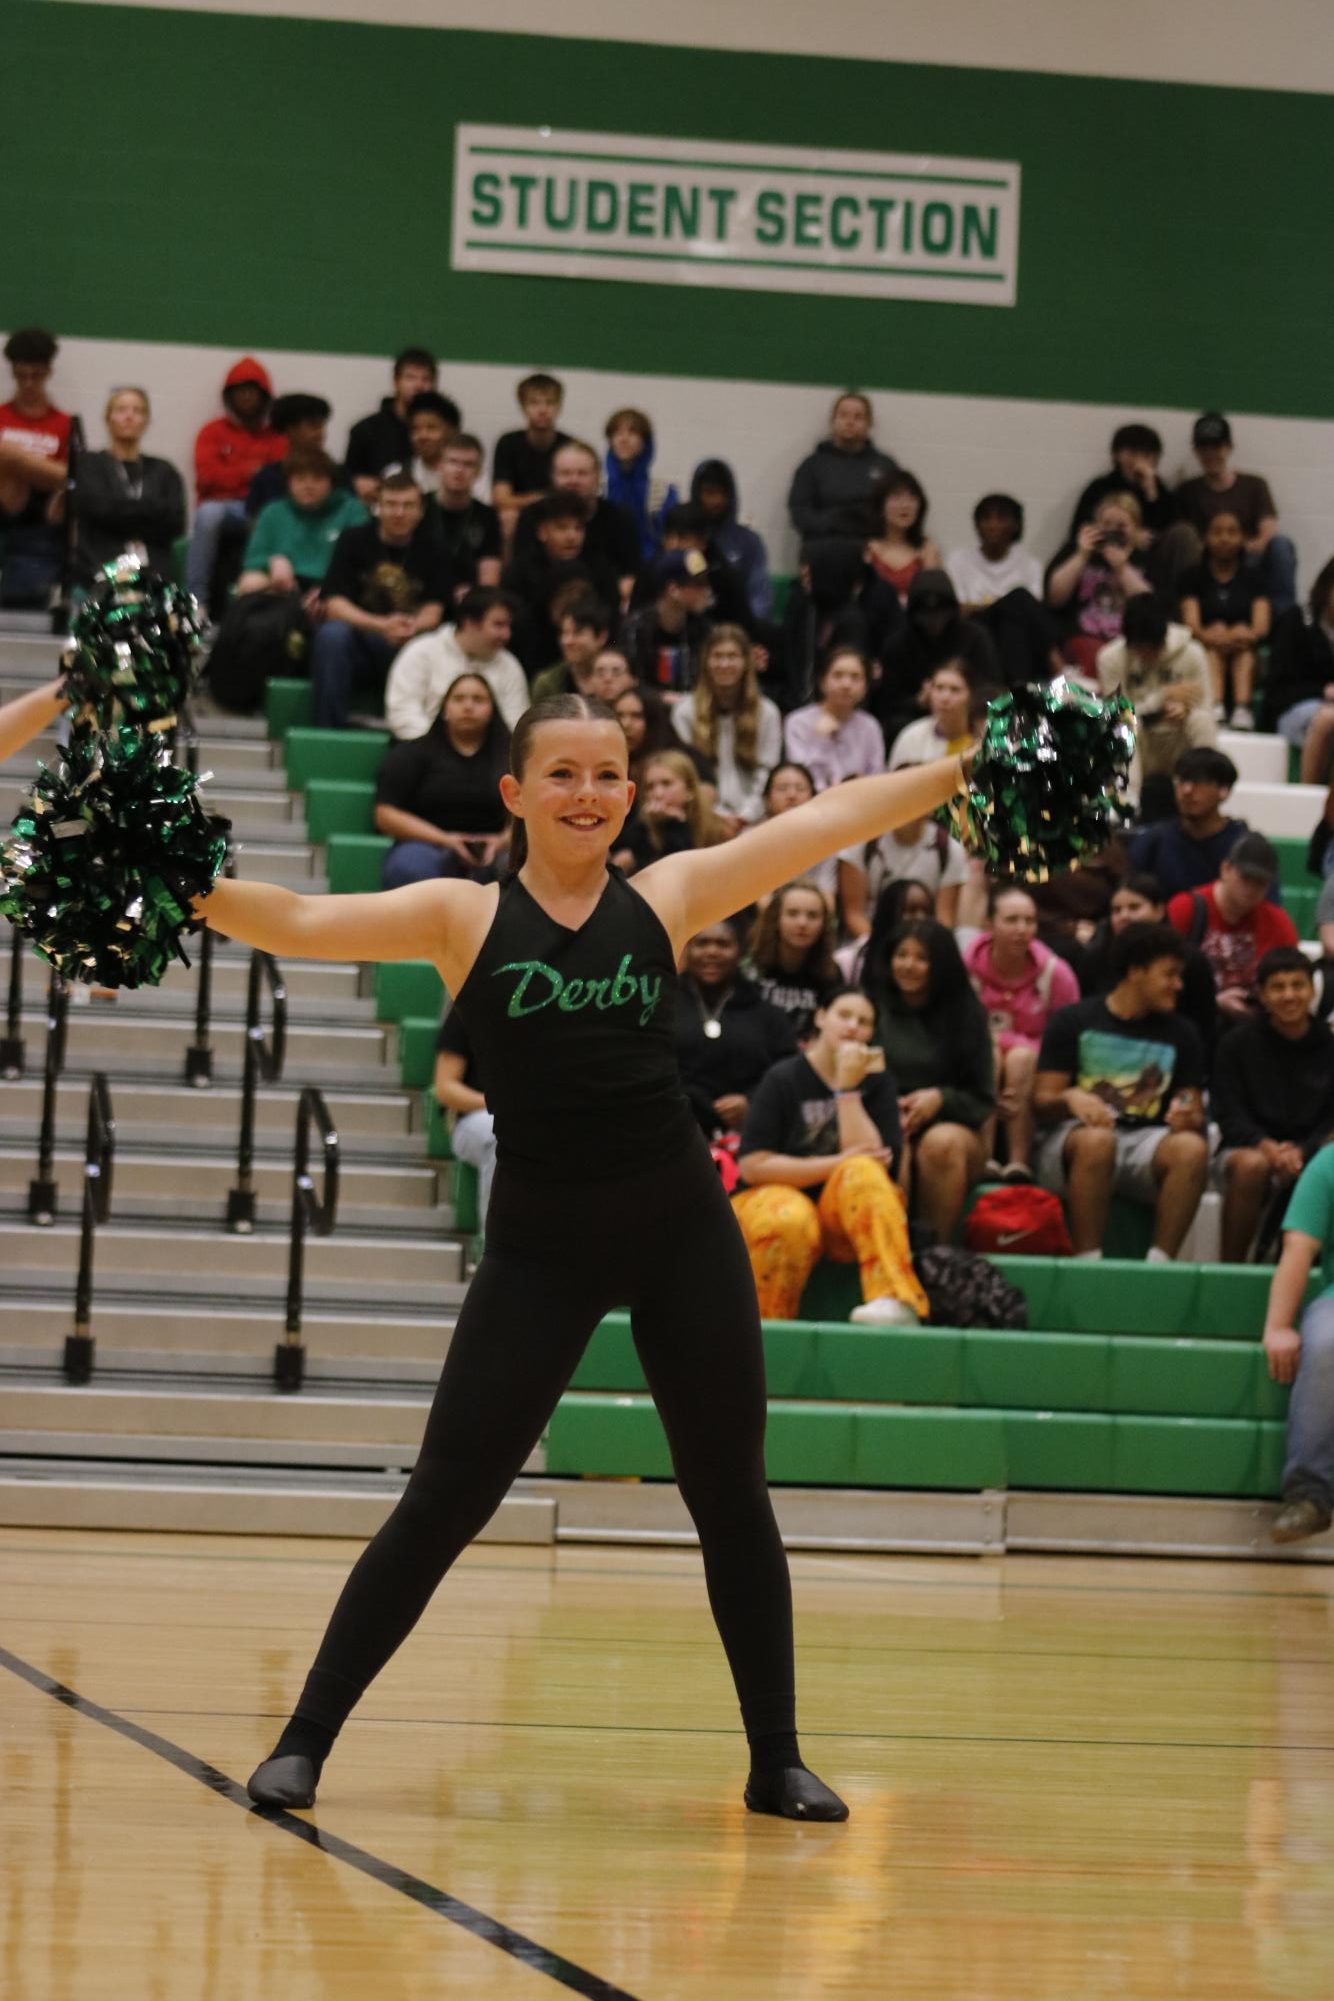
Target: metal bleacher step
<point>382,1266</point>
<point>150,1112</point>
<point>125,1037</point>
<point>223,1338</point>
<point>133,1419</point>
<point>398,1195</point>
<point>177,998</point>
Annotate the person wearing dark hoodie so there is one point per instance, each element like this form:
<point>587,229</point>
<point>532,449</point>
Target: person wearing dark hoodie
<point>713,490</point>
<point>933,631</point>
<point>229,451</point>
<point>631,481</point>
<point>382,439</point>
<point>830,495</point>
<point>836,600</point>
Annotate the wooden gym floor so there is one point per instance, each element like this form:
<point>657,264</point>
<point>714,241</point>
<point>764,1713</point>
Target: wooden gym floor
<point>1069,1780</point>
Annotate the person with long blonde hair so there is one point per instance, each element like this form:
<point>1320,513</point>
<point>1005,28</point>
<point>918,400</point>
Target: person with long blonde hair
<point>674,815</point>
<point>726,719</point>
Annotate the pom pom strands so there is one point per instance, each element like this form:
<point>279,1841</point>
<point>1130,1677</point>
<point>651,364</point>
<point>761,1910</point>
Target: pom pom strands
<point>104,859</point>
<point>1044,784</point>
<point>135,652</point>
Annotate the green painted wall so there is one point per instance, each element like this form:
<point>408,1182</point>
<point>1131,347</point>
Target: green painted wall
<point>281,183</point>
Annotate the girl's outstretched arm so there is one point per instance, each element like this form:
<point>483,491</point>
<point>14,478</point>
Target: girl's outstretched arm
<point>691,890</point>
<point>28,715</point>
<point>441,921</point>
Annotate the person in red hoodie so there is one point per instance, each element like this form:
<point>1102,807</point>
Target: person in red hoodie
<point>229,451</point>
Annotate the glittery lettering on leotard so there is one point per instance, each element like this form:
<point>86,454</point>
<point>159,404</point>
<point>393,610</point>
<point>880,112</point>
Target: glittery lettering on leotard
<point>540,985</point>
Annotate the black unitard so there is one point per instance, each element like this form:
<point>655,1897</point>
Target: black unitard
<point>605,1196</point>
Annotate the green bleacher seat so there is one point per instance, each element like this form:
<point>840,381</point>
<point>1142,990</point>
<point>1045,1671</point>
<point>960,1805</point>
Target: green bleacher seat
<point>782,591</point>
<point>1292,872</point>
<point>1300,905</point>
<point>339,806</point>
<point>416,1049</point>
<point>350,755</point>
<point>288,705</point>
<point>354,862</point>
<point>408,986</point>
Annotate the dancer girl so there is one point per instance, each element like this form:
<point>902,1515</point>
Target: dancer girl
<point>565,978</point>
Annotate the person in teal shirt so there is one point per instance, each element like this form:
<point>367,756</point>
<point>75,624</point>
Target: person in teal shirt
<point>1305,1357</point>
<point>292,539</point>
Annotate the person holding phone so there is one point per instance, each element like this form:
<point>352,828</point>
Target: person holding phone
<point>1091,579</point>
<point>818,1152</point>
<point>437,795</point>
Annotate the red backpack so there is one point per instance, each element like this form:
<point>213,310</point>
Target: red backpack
<point>1018,1222</point>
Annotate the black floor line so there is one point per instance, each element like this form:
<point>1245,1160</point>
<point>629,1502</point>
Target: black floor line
<point>489,1930</point>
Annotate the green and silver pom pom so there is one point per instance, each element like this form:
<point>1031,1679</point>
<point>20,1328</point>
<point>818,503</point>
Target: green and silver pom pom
<point>134,655</point>
<point>105,856</point>
<point>1046,782</point>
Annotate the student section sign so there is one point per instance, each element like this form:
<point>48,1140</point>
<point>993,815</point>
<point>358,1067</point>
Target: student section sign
<point>762,218</point>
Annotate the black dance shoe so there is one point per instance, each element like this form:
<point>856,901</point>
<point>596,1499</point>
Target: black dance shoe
<point>793,1794</point>
<point>286,1782</point>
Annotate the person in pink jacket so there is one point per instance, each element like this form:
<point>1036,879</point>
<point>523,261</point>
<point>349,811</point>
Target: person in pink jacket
<point>1020,983</point>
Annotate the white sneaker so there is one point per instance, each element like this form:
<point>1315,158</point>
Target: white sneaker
<point>1242,719</point>
<point>885,1312</point>
<point>1220,712</point>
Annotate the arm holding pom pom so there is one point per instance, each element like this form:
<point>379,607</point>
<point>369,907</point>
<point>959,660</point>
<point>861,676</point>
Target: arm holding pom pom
<point>28,715</point>
<point>441,921</point>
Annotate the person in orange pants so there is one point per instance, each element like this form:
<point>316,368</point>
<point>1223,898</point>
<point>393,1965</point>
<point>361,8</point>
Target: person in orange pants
<point>817,1152</point>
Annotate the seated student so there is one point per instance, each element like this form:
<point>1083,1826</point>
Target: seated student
<point>727,1036</point>
<point>1090,581</point>
<point>671,814</point>
<point>899,900</point>
<point>521,462</point>
<point>476,642</point>
<point>386,583</point>
<point>459,1094</point>
<point>1020,983</point>
<point>999,564</point>
<point>729,722</point>
<point>631,481</point>
<point>1273,1095</point>
<point>1164,673</point>
<point>1223,605</point>
<point>438,795</point>
<point>433,421</point>
<point>1164,545</point>
<point>646,721</point>
<point>1247,496</point>
<point>840,878</point>
<point>933,632</point>
<point>713,490</point>
<point>541,570</point>
<point>1184,852</point>
<point>834,737</point>
<point>899,547</point>
<point>828,1121</point>
<point>585,627</point>
<point>125,500</point>
<point>34,466</point>
<point>469,530</point>
<point>835,600</point>
<point>612,675</point>
<point>381,440</point>
<point>1299,682</point>
<point>293,540</point>
<point>954,712</point>
<point>229,451</point>
<point>686,527</point>
<point>1118,1094</point>
<point>923,852</point>
<point>611,546</point>
<point>934,1034</point>
<point>663,640</point>
<point>791,958</point>
<point>830,495</point>
<point>303,420</point>
<point>1305,1357</point>
<point>1232,923</point>
<point>1140,900</point>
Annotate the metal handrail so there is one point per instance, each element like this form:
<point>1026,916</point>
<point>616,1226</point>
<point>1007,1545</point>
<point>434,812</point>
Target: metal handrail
<point>199,1053</point>
<point>43,1199</point>
<point>99,1156</point>
<point>263,1060</point>
<point>13,1049</point>
<point>309,1212</point>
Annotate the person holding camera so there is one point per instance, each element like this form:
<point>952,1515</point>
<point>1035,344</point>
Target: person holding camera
<point>1091,579</point>
<point>818,1152</point>
<point>438,795</point>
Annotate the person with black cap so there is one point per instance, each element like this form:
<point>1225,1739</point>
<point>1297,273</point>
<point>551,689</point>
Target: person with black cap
<point>663,641</point>
<point>1233,925</point>
<point>1220,488</point>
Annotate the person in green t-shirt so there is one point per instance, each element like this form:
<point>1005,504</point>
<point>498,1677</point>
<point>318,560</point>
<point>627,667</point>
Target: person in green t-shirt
<point>1305,1357</point>
<point>293,539</point>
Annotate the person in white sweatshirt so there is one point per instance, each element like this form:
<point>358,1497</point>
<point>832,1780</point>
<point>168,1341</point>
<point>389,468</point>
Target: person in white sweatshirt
<point>476,643</point>
<point>1159,668</point>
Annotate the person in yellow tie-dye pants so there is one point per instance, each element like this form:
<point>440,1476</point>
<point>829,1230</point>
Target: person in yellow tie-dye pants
<point>817,1152</point>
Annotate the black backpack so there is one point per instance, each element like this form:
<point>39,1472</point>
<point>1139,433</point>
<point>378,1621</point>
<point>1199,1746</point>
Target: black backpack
<point>965,1290</point>
<point>264,634</point>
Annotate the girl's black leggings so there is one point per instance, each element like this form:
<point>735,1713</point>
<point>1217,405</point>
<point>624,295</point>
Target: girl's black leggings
<point>664,1243</point>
